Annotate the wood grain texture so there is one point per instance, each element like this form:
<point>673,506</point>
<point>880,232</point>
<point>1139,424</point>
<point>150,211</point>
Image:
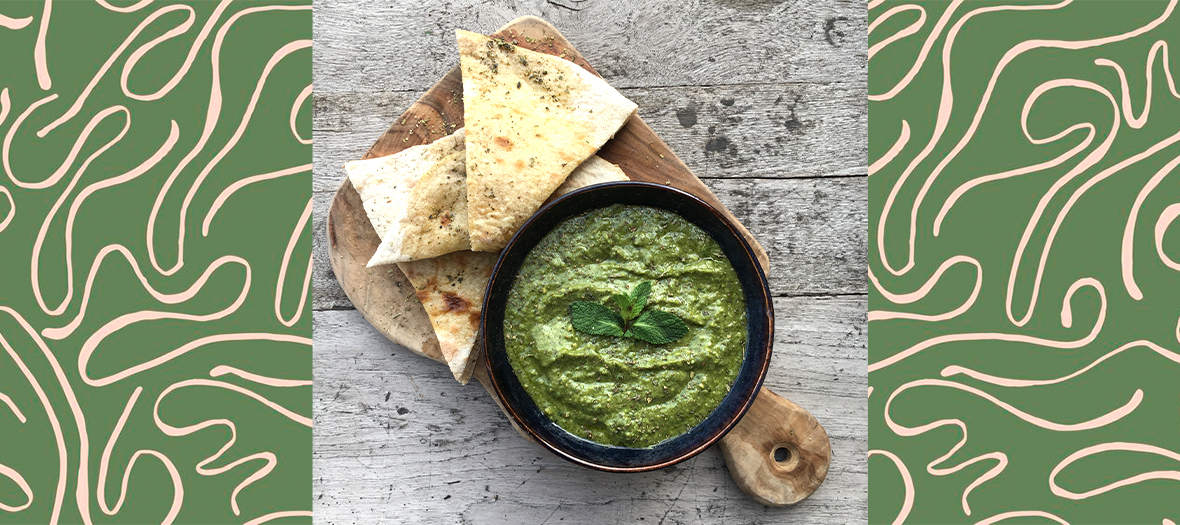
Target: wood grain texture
<point>762,131</point>
<point>396,435</point>
<point>397,458</point>
<point>401,45</point>
<point>779,453</point>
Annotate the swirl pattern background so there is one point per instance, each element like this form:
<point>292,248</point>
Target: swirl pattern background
<point>155,261</point>
<point>1024,308</point>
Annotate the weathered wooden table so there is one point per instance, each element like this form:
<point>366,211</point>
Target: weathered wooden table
<point>764,100</point>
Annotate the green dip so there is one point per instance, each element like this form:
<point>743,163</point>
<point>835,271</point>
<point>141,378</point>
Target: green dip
<point>616,390</point>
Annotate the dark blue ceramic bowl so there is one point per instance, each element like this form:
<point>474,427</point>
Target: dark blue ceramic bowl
<point>760,327</point>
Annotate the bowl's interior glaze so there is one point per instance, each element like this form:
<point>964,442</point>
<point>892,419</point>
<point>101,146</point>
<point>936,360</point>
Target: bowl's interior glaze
<point>759,313</point>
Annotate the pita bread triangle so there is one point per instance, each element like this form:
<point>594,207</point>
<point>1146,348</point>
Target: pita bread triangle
<point>416,199</point>
<point>451,288</point>
<point>427,217</point>
<point>531,119</point>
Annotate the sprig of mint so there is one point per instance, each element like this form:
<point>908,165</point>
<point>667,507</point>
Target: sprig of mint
<point>631,305</point>
<point>654,326</point>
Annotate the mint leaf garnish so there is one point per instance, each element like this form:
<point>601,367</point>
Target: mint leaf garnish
<point>639,296</point>
<point>653,326</point>
<point>594,318</point>
<point>625,304</point>
<point>657,327</point>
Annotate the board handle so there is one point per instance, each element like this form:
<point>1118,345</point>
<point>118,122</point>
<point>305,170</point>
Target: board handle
<point>778,453</point>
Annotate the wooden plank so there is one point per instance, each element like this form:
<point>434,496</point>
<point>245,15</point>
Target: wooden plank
<point>766,131</point>
<point>326,291</point>
<point>813,229</point>
<point>399,46</point>
<point>396,435</point>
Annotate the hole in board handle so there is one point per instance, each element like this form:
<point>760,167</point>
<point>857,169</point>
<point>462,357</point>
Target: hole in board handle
<point>782,454</point>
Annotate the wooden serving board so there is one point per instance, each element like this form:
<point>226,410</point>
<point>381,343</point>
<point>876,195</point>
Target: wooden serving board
<point>387,300</point>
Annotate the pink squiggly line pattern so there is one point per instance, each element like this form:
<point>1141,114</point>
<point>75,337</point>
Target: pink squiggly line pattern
<point>72,184</point>
<point>215,102</point>
<point>1080,163</point>
<point>1000,458</point>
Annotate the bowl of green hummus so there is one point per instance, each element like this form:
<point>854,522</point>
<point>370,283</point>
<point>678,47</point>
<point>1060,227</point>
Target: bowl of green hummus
<point>627,326</point>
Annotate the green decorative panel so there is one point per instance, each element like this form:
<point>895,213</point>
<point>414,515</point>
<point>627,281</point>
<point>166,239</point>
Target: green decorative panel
<point>1023,262</point>
<point>155,244</point>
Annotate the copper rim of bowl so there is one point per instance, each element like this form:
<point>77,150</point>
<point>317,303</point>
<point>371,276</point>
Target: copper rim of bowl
<point>730,420</point>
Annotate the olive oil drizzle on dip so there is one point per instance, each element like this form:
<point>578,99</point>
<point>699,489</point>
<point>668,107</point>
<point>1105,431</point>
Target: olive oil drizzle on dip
<point>617,390</point>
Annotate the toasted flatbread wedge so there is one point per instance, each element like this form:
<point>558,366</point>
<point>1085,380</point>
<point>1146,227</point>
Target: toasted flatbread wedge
<point>448,231</point>
<point>531,119</point>
<point>451,289</point>
<point>416,199</point>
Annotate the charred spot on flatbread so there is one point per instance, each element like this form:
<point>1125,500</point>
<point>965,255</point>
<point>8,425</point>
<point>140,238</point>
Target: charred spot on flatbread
<point>451,289</point>
<point>454,303</point>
